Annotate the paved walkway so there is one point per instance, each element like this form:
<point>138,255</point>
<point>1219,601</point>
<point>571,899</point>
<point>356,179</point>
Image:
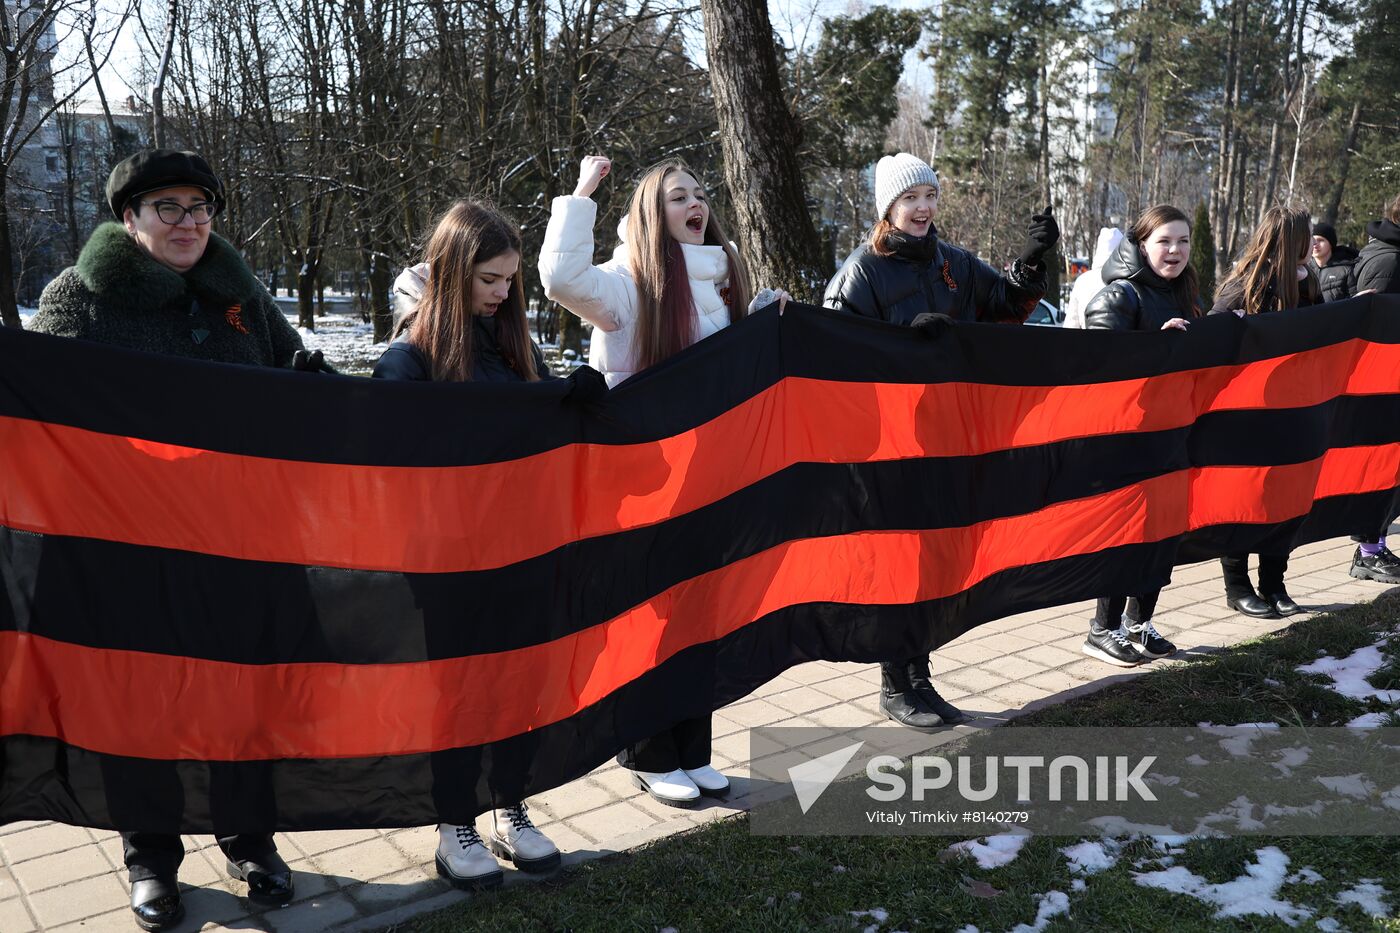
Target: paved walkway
<point>55,877</point>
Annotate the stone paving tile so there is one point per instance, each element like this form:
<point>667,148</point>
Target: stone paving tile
<point>401,887</point>
<point>581,795</point>
<point>362,861</point>
<point>76,900</point>
<point>70,865</point>
<point>114,921</point>
<point>14,917</point>
<point>613,820</point>
<point>42,840</point>
<point>801,699</point>
<point>312,916</point>
<point>852,686</point>
<point>317,842</point>
<point>1052,656</point>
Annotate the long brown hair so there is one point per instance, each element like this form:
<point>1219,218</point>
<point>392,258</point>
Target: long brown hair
<point>468,234</point>
<point>1392,213</point>
<point>1186,287</point>
<point>1266,274</point>
<point>880,237</point>
<point>665,305</point>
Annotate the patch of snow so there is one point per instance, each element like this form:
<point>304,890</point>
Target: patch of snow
<point>1369,721</point>
<point>1077,884</point>
<point>878,914</point>
<point>1304,876</point>
<point>968,929</point>
<point>1090,858</point>
<point>1352,785</point>
<point>992,851</point>
<point>1349,674</point>
<point>1368,895</point>
<point>1253,893</point>
<point>1290,758</point>
<point>1270,682</point>
<point>1236,739</point>
<point>1196,760</point>
<point>1391,799</point>
<point>1166,780</point>
<point>1051,905</point>
<point>1329,925</point>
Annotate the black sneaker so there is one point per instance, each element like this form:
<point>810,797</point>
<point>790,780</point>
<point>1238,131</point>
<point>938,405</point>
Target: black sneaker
<point>1148,641</point>
<point>1383,567</point>
<point>1112,646</point>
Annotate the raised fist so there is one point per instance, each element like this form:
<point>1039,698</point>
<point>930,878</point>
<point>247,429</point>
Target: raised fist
<point>590,172</point>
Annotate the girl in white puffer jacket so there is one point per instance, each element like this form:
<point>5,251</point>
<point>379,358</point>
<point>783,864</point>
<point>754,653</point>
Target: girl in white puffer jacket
<point>641,313</point>
<point>675,279</point>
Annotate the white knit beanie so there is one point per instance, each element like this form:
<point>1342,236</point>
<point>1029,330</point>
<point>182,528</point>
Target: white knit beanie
<point>895,175</point>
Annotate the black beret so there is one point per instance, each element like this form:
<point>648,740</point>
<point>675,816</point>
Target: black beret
<point>154,169</point>
<point>1326,231</point>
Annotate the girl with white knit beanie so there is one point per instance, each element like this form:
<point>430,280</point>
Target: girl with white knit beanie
<point>904,274</point>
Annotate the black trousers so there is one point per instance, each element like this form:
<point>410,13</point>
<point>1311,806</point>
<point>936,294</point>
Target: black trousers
<point>684,745</point>
<point>1236,572</point>
<point>1109,614</point>
<point>158,855</point>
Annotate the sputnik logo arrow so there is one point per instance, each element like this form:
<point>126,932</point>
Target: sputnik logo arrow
<point>811,779</point>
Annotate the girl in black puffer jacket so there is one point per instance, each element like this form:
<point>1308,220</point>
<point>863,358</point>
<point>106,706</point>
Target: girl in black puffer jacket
<point>904,272</point>
<point>1273,274</point>
<point>1150,286</point>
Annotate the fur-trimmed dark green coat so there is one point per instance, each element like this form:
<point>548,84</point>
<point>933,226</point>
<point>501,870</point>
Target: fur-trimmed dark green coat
<point>216,311</point>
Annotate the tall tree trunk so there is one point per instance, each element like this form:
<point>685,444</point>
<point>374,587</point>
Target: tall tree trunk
<point>758,137</point>
<point>9,310</point>
<point>158,88</point>
<point>1334,203</point>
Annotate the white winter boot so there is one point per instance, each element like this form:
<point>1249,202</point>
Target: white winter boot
<point>463,860</point>
<point>514,837</point>
<point>673,788</point>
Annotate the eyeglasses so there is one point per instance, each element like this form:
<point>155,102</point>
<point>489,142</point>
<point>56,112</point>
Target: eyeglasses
<point>172,212</point>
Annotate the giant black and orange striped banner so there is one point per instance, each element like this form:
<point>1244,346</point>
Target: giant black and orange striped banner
<point>243,599</point>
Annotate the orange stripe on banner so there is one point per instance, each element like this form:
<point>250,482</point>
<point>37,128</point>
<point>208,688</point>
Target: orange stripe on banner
<point>68,481</point>
<point>84,696</point>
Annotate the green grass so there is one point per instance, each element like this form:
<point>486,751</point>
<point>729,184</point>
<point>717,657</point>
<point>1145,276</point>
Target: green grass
<point>721,878</point>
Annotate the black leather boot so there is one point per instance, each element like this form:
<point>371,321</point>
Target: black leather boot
<point>919,679</point>
<point>269,879</point>
<point>1239,592</point>
<point>901,703</point>
<point>156,903</point>
<point>1271,570</point>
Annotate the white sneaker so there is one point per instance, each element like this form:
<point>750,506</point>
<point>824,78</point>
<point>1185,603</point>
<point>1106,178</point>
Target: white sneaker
<point>708,781</point>
<point>514,837</point>
<point>463,860</point>
<point>673,788</point>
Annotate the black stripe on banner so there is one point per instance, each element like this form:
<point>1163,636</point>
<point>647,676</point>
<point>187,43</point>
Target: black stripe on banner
<point>109,595</point>
<point>294,416</point>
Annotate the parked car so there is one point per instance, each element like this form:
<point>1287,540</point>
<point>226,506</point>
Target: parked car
<point>1046,315</point>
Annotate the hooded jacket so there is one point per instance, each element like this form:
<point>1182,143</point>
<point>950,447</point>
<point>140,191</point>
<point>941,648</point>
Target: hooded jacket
<point>1133,297</point>
<point>605,295</point>
<point>1091,281</point>
<point>1376,266</point>
<point>1338,278</point>
<point>117,294</point>
<point>927,275</point>
<point>402,360</point>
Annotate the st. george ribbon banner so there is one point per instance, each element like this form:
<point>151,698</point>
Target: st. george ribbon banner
<point>241,599</point>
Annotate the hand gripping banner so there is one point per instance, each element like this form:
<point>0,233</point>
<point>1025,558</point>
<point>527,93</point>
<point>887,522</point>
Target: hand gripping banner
<point>239,599</point>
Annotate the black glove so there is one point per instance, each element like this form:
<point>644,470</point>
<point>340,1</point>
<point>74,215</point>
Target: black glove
<point>931,325</point>
<point>313,361</point>
<point>1042,236</point>
<point>586,385</point>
